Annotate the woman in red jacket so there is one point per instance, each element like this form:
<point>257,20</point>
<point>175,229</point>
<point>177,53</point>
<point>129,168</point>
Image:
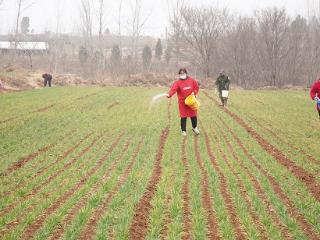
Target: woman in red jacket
<point>315,94</point>
<point>184,87</point>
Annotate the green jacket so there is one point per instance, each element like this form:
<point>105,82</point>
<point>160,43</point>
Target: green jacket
<point>223,83</point>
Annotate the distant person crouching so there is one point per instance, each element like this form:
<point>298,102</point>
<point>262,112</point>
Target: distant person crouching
<point>47,78</point>
<point>315,94</point>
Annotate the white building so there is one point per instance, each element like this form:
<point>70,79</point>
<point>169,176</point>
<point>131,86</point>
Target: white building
<point>24,47</point>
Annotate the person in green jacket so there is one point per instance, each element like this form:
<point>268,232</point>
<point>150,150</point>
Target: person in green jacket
<point>223,83</point>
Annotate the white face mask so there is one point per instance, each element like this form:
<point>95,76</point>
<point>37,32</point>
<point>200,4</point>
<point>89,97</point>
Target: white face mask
<point>183,76</point>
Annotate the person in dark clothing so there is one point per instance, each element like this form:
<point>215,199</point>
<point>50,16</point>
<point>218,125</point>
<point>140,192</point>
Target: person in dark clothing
<point>223,84</point>
<point>47,78</point>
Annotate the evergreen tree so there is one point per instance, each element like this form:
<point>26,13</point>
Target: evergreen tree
<point>115,55</point>
<point>83,55</point>
<point>146,56</point>
<point>168,54</point>
<point>158,50</point>
<point>25,24</point>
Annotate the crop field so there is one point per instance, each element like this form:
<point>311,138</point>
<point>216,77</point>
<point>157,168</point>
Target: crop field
<point>103,163</point>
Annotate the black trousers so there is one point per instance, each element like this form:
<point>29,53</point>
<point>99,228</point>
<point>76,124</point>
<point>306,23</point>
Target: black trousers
<point>194,121</point>
<point>47,81</point>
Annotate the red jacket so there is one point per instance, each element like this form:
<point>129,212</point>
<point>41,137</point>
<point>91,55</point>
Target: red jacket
<point>184,88</point>
<point>315,91</point>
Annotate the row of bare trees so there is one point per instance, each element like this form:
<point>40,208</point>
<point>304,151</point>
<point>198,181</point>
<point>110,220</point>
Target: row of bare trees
<point>92,47</point>
<point>269,49</point>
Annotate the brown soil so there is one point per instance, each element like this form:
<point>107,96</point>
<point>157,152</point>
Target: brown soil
<point>43,109</point>
<point>255,218</point>
<point>34,191</point>
<point>166,220</point>
<point>16,78</point>
<point>169,111</point>
<point>276,136</point>
<point>86,96</point>
<point>292,210</point>
<point>262,195</point>
<point>38,223</point>
<point>8,120</point>
<point>301,174</point>
<point>81,203</point>
<point>113,105</point>
<point>186,195</point>
<point>139,225</point>
<point>90,229</point>
<point>44,169</point>
<point>23,161</point>
<point>206,198</point>
<point>240,234</point>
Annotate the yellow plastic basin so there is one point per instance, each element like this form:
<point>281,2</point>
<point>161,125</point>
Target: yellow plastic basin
<point>192,102</point>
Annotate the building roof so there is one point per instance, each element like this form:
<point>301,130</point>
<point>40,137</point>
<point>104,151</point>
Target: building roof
<point>24,45</point>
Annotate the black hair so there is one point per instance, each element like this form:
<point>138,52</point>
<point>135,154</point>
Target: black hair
<point>183,70</point>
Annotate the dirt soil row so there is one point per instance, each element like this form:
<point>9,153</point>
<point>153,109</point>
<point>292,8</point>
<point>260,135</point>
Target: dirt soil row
<point>239,232</point>
<point>140,222</point>
<point>38,223</point>
<point>37,189</point>
<point>308,179</point>
<point>57,234</point>
<point>292,210</point>
<point>91,227</point>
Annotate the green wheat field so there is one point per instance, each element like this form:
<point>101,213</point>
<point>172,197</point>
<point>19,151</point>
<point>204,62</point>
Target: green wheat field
<point>105,163</point>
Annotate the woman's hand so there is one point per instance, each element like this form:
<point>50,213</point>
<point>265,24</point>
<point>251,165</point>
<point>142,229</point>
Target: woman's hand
<point>167,95</point>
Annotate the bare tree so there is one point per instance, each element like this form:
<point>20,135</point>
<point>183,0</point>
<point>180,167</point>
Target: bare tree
<point>199,29</point>
<point>176,36</point>
<point>274,29</point>
<point>236,52</point>
<point>137,23</point>
<point>86,21</point>
<point>18,15</point>
<point>119,25</point>
<point>22,5</point>
<point>55,44</point>
<point>101,18</point>
<point>296,61</point>
<point>17,22</point>
<point>312,51</point>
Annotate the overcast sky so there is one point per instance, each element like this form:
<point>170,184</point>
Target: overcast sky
<point>43,12</point>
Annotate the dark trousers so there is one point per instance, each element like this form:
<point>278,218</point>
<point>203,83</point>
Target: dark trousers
<point>47,81</point>
<point>194,121</point>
